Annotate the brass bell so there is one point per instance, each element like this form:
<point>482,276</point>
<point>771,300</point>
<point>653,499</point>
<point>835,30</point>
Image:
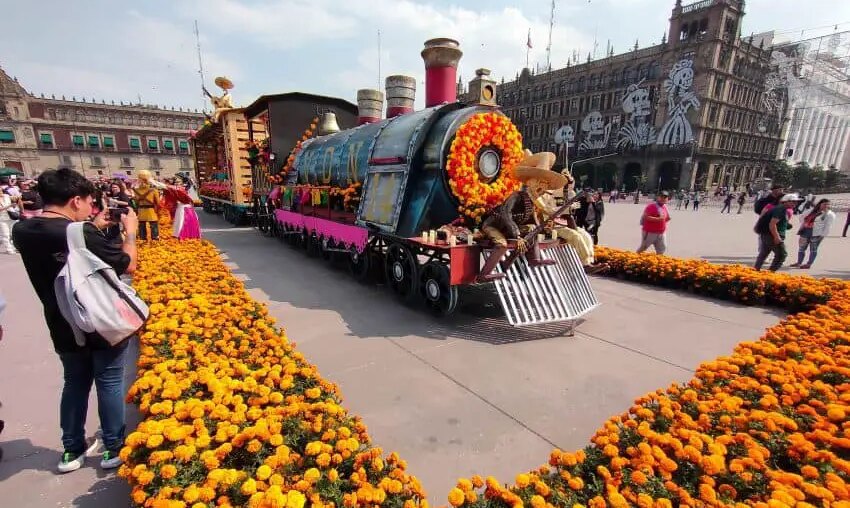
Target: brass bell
<point>328,124</point>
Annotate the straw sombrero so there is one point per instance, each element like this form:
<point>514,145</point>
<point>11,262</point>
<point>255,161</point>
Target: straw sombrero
<point>223,83</point>
<point>538,166</point>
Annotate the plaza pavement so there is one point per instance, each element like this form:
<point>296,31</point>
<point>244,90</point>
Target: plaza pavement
<point>454,397</point>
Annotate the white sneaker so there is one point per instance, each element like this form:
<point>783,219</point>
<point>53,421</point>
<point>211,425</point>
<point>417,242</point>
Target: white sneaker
<point>110,460</point>
<point>71,462</point>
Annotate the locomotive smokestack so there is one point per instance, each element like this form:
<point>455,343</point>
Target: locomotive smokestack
<point>370,105</point>
<point>401,92</point>
<point>441,58</point>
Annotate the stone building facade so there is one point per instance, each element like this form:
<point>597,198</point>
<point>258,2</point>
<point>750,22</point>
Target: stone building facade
<point>686,113</point>
<point>810,84</point>
<point>96,139</point>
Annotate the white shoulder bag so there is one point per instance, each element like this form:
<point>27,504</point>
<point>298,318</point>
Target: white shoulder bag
<point>92,298</point>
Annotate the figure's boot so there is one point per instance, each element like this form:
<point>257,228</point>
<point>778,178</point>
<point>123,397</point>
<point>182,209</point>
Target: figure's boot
<point>486,274</point>
<point>535,259</point>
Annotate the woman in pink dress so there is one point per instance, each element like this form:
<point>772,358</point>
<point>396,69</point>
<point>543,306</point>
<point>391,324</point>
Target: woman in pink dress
<point>182,210</point>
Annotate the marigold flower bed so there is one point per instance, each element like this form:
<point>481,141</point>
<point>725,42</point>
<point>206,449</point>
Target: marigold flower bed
<point>234,415</point>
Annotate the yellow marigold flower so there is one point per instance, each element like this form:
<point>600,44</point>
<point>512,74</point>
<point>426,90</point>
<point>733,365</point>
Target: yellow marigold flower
<point>538,501</point>
<point>248,487</point>
<point>456,497</point>
<point>312,475</point>
<point>168,471</point>
<point>191,494</point>
<point>154,441</point>
<point>522,480</point>
<point>264,472</point>
<point>313,448</point>
<point>295,499</point>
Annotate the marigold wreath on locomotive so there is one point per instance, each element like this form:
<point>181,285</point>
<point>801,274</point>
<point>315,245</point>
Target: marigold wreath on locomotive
<point>481,162</point>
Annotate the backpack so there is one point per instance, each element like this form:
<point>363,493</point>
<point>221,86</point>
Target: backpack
<point>92,298</point>
<point>761,203</point>
<point>762,224</point>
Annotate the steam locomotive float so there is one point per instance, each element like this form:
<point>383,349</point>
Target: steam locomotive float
<point>398,168</point>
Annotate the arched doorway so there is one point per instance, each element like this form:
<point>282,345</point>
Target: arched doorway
<point>632,175</point>
<point>668,175</point>
<point>701,177</point>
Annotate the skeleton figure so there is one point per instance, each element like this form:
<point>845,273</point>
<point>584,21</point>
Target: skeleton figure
<point>637,132</point>
<point>521,212</point>
<point>680,99</point>
<point>596,132</point>
<point>779,93</point>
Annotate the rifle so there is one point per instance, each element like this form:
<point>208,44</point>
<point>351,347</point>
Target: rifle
<point>530,237</point>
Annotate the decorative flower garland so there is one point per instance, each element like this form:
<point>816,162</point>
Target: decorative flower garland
<point>219,189</point>
<point>481,131</point>
<point>350,196</point>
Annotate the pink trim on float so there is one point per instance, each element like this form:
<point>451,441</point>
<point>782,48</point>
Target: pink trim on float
<point>346,234</point>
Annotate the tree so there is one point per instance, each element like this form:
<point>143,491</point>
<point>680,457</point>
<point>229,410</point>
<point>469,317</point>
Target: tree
<point>781,173</point>
<point>832,178</point>
<point>802,175</point>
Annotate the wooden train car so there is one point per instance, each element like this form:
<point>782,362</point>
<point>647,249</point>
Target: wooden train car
<point>222,166</point>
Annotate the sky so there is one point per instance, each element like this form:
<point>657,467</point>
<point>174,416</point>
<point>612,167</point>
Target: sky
<point>121,50</point>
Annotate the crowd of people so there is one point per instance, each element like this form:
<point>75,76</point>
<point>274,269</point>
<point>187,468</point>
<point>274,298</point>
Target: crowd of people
<point>775,209</point>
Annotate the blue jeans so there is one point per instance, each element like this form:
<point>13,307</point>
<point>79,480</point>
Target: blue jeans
<point>812,243</point>
<point>104,367</point>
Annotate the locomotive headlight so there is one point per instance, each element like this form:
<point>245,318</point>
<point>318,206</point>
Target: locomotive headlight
<point>489,163</point>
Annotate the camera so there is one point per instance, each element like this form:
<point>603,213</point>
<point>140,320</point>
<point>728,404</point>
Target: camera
<point>116,213</point>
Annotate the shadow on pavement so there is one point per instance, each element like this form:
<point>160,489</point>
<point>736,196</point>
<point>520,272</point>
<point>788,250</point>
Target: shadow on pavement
<point>109,490</point>
<point>369,310</point>
<point>21,455</point>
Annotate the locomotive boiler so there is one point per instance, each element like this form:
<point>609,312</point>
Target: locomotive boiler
<point>405,171</point>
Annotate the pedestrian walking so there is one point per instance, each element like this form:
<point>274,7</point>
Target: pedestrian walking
<point>654,224</point>
<point>846,224</point>
<point>612,198</point>
<point>769,200</point>
<point>590,214</point>
<point>7,207</point>
<point>727,203</point>
<point>771,228</point>
<point>816,226</point>
<point>687,198</point>
<point>742,200</point>
<point>68,197</point>
<point>680,198</point>
<point>696,200</point>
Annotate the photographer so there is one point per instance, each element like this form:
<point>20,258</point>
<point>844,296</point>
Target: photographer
<point>69,197</point>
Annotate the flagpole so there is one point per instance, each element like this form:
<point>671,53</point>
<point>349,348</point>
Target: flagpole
<point>527,47</point>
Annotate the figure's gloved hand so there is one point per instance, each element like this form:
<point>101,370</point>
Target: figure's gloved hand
<point>521,246</point>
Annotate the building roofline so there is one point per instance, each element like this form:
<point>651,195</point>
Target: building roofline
<point>262,102</point>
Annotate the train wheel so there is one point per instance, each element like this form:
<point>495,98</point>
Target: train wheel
<point>440,297</point>
<point>314,246</point>
<point>327,243</point>
<point>401,271</point>
<point>359,264</point>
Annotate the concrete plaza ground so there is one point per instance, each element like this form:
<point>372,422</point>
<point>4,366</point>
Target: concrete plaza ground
<point>455,397</point>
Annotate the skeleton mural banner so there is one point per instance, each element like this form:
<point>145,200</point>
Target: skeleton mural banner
<point>596,132</point>
<point>677,129</point>
<point>780,90</point>
<point>637,131</point>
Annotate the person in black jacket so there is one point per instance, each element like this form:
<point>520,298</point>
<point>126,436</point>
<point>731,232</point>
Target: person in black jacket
<point>590,214</point>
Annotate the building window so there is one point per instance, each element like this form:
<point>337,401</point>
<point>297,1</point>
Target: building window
<point>108,142</point>
<point>46,139</point>
<point>153,145</point>
<point>712,113</point>
<point>78,140</point>
<point>126,162</point>
<point>718,87</point>
<point>94,141</point>
<point>67,161</point>
<point>96,161</point>
<point>7,136</point>
<point>129,172</point>
<point>168,144</point>
<point>184,163</point>
<point>155,164</point>
<point>135,144</point>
